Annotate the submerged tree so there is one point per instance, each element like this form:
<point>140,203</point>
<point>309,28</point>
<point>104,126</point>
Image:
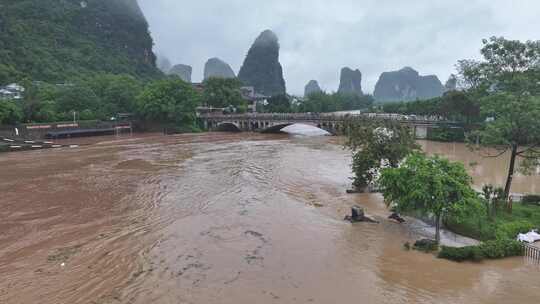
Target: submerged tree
<point>507,85</point>
<point>432,185</point>
<point>377,144</point>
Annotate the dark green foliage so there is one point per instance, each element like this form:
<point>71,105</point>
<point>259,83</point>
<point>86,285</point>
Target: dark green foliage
<point>510,230</point>
<point>375,143</point>
<point>117,93</point>
<point>460,106</point>
<point>453,105</point>
<point>10,112</point>
<point>531,199</point>
<point>460,254</point>
<point>426,245</point>
<point>54,41</point>
<point>278,104</point>
<point>432,185</point>
<point>97,97</point>
<point>477,224</point>
<point>322,102</point>
<point>487,250</point>
<point>223,92</point>
<point>446,134</point>
<point>418,107</point>
<point>506,84</point>
<point>169,101</point>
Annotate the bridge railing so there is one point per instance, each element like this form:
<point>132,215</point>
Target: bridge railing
<point>324,117</point>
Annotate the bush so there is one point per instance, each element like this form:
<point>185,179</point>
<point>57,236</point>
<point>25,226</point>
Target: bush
<point>510,230</point>
<point>446,134</point>
<point>426,245</point>
<point>531,199</point>
<point>501,248</point>
<point>488,250</point>
<point>460,254</point>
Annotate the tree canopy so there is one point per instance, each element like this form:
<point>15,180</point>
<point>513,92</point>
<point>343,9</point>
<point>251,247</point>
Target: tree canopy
<point>377,144</point>
<point>223,92</point>
<point>169,101</point>
<point>10,113</point>
<point>322,102</point>
<point>432,185</point>
<point>507,84</point>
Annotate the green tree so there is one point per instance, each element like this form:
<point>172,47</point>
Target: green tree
<point>432,185</point>
<point>459,106</point>
<point>10,112</point>
<point>322,102</point>
<point>375,145</point>
<point>507,83</point>
<point>278,104</point>
<point>117,93</point>
<point>223,92</point>
<point>79,98</point>
<point>169,101</point>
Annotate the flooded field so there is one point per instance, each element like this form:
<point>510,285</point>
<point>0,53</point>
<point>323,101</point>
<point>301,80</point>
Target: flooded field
<point>224,218</point>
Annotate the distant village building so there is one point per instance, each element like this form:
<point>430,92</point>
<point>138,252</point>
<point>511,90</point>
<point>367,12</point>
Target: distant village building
<point>253,98</point>
<point>12,92</point>
<point>248,93</point>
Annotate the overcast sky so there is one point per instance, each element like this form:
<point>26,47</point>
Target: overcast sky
<point>319,37</point>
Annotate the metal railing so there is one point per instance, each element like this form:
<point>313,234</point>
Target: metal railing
<point>531,252</point>
<point>325,117</point>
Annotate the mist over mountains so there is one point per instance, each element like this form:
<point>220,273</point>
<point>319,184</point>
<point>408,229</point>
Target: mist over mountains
<point>318,37</point>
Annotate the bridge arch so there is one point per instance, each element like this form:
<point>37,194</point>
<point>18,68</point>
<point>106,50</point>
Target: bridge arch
<point>276,128</point>
<point>228,127</point>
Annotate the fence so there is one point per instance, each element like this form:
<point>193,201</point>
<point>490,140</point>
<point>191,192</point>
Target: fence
<point>531,252</point>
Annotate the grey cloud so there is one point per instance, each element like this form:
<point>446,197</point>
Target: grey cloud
<point>319,37</point>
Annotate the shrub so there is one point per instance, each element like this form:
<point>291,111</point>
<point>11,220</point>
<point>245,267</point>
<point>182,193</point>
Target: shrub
<point>501,249</point>
<point>531,199</point>
<point>446,134</point>
<point>510,230</point>
<point>489,250</point>
<point>426,245</point>
<point>460,254</point>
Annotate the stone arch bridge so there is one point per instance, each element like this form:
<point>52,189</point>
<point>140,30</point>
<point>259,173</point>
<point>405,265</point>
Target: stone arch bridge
<point>332,123</point>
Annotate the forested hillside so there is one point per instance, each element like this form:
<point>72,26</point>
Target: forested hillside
<point>58,40</point>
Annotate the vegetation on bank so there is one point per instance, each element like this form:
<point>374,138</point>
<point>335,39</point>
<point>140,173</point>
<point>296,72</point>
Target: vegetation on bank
<point>320,102</point>
<point>377,144</point>
<point>170,101</point>
<point>167,101</point>
<point>453,105</point>
<point>496,249</point>
<point>440,189</point>
<point>501,96</point>
<point>432,185</point>
<point>498,100</point>
<point>500,225</point>
<point>223,93</point>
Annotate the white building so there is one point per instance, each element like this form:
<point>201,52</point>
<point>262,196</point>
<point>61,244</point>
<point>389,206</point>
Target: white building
<point>12,91</point>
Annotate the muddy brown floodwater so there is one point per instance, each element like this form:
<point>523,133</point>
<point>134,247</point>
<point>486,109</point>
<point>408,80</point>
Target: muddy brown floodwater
<point>223,218</point>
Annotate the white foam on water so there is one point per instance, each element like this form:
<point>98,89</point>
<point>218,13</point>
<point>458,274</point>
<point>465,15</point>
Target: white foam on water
<point>304,130</point>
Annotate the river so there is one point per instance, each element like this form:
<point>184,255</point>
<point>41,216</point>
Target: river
<point>224,218</point>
